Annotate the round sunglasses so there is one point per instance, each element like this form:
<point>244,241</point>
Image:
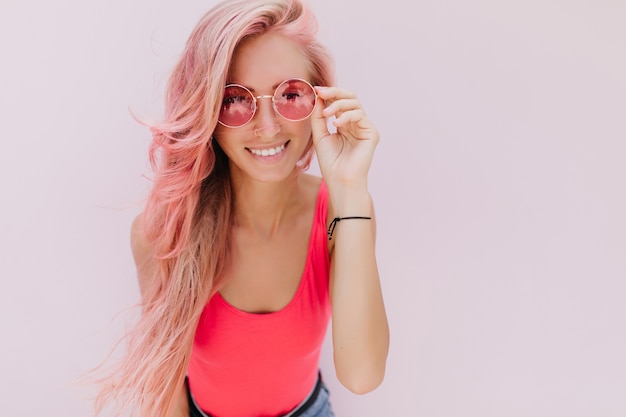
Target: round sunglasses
<point>294,99</point>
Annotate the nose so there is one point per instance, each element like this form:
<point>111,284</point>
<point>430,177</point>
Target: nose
<point>265,117</point>
<point>267,131</point>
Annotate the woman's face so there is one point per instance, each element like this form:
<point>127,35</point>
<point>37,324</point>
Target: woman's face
<point>268,147</point>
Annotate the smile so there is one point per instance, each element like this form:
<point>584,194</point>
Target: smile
<point>268,152</point>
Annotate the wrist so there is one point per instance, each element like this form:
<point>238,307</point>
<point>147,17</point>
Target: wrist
<point>333,224</point>
<point>350,200</point>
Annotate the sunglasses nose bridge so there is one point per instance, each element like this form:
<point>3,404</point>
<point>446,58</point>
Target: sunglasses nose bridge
<point>259,113</point>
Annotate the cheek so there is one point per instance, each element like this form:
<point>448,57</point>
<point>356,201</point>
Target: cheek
<point>222,142</point>
<point>303,129</point>
<point>220,132</point>
<point>227,137</point>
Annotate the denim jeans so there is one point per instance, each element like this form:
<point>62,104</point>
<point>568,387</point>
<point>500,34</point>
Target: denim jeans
<point>316,405</point>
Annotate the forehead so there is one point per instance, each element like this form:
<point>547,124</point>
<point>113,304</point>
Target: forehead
<point>266,60</point>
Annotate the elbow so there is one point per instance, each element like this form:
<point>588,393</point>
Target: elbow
<point>361,383</point>
<point>363,388</point>
<point>361,370</point>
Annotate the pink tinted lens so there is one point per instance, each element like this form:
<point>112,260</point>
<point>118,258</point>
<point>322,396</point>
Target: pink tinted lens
<point>294,100</point>
<point>237,106</point>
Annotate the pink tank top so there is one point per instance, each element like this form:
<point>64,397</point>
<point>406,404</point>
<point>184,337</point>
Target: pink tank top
<point>245,364</point>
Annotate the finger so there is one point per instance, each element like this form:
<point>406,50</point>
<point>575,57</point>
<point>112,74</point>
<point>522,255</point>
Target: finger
<point>319,128</point>
<point>352,116</point>
<point>338,107</point>
<point>331,94</point>
<point>354,124</point>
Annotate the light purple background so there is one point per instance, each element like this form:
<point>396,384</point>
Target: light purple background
<point>499,185</point>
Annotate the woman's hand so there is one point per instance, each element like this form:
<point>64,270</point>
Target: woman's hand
<point>346,155</point>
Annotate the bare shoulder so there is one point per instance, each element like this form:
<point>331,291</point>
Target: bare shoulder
<point>311,184</point>
<point>138,241</point>
<point>143,253</point>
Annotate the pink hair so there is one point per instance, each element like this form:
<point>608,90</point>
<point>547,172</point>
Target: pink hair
<point>188,217</point>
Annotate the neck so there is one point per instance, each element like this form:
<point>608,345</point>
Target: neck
<point>262,207</point>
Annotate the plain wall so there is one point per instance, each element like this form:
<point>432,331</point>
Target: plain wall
<point>499,186</point>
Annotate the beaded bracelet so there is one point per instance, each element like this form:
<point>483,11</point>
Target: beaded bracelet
<point>331,228</point>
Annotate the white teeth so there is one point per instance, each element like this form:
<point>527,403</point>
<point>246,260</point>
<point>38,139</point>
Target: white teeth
<point>268,152</point>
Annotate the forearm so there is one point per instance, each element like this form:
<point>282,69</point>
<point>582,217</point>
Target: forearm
<point>182,404</point>
<point>360,330</point>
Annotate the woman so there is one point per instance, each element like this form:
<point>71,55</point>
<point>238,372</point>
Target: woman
<point>238,273</point>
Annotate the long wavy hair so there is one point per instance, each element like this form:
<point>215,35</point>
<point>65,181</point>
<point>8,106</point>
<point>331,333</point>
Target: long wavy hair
<point>188,215</point>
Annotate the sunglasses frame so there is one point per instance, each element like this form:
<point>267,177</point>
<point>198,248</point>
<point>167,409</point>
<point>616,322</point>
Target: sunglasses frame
<point>256,98</point>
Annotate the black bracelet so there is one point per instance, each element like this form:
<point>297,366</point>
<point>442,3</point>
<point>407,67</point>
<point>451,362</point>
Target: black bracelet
<point>331,228</point>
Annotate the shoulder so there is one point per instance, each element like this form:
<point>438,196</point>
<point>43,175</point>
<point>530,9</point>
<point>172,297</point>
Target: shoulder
<point>311,184</point>
<point>138,239</point>
<point>314,187</point>
<point>143,253</point>
<point>318,190</point>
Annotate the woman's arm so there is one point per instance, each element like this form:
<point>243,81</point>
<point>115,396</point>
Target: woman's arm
<point>360,330</point>
<point>182,406</point>
<point>359,325</point>
<point>146,268</point>
<point>143,256</point>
